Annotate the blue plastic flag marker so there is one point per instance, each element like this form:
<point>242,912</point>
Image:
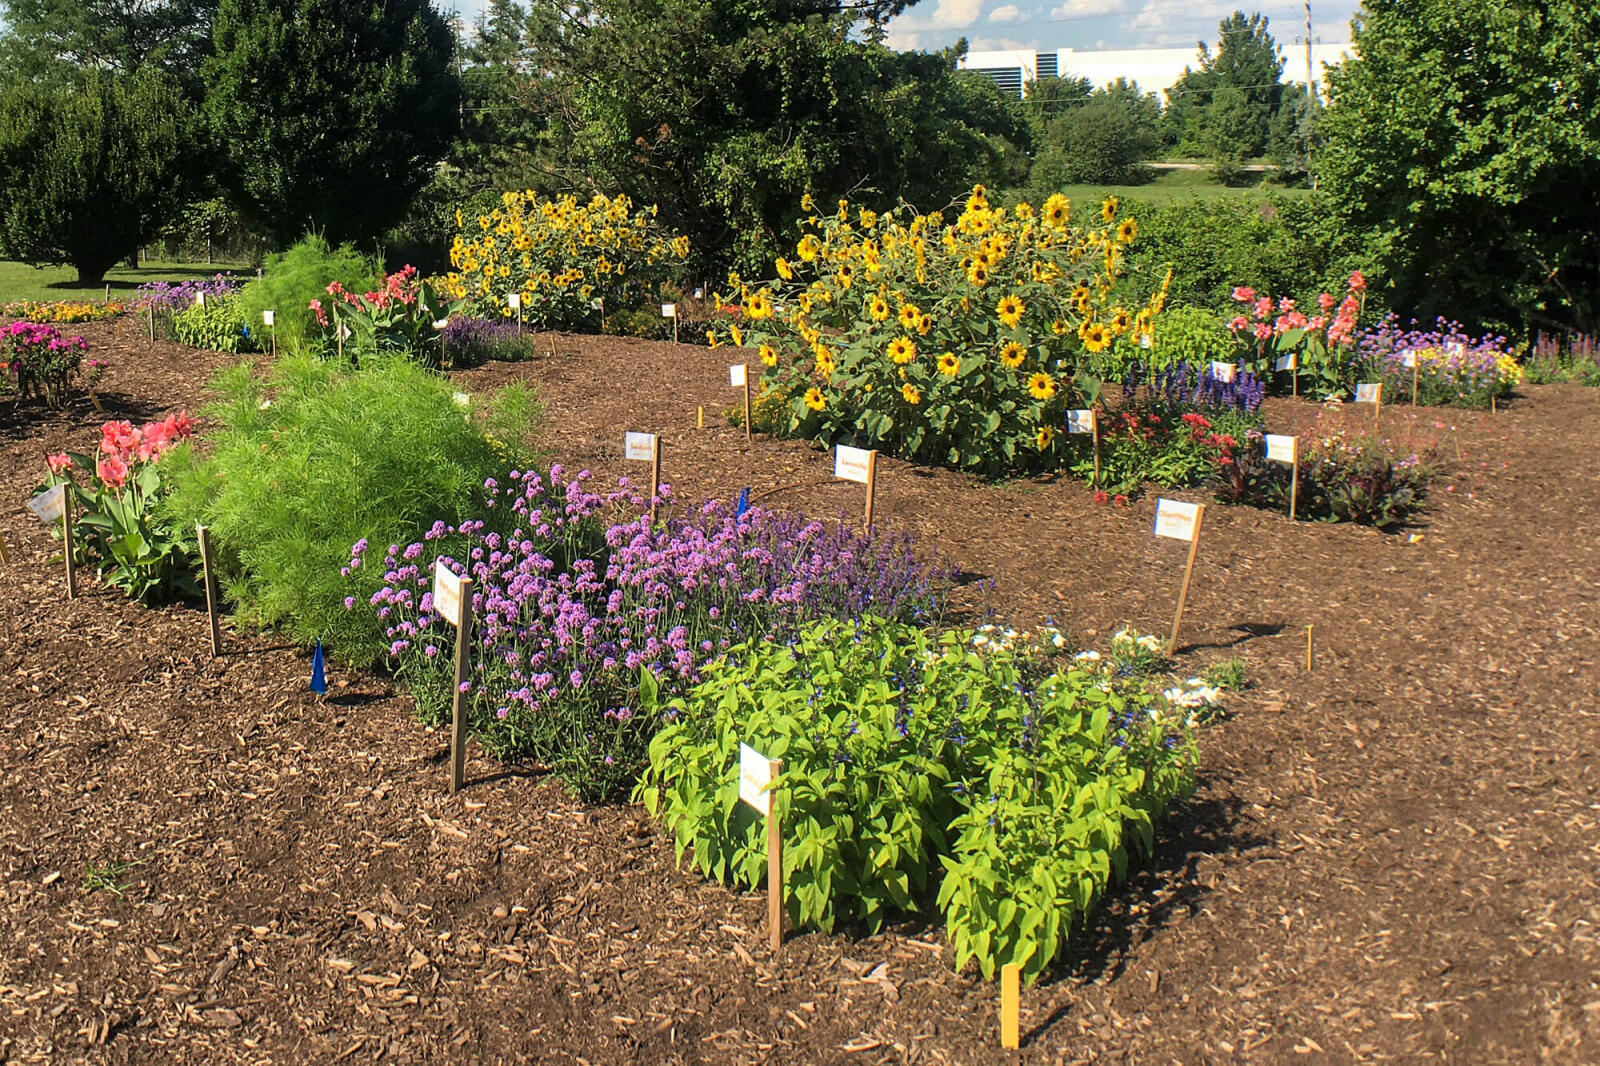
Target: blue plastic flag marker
<point>319,683</point>
<point>744,503</point>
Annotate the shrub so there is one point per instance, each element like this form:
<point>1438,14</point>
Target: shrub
<point>577,614</point>
<point>40,363</point>
<point>311,457</point>
<point>1346,475</point>
<point>217,325</point>
<point>561,256</point>
<point>292,279</point>
<point>954,344</point>
<point>139,552</point>
<point>1451,368</point>
<point>470,341</point>
<point>902,749</point>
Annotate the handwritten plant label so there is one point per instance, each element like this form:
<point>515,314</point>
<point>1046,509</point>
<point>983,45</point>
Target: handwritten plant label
<point>269,318</point>
<point>1287,362</point>
<point>669,310</point>
<point>738,375</point>
<point>851,464</point>
<point>1223,372</point>
<point>514,301</point>
<point>1408,358</point>
<point>639,446</point>
<point>440,324</point>
<point>1080,421</point>
<point>597,304</point>
<point>199,299</point>
<point>447,587</point>
<point>1176,519</point>
<point>50,504</point>
<point>1280,449</point>
<point>755,778</point>
<point>1370,393</point>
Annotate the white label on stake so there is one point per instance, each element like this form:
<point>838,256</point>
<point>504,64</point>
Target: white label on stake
<point>514,300</point>
<point>1280,449</point>
<point>738,375</point>
<point>639,446</point>
<point>1080,421</point>
<point>699,294</point>
<point>1223,371</point>
<point>1408,358</point>
<point>755,777</point>
<point>461,399</point>
<point>440,323</point>
<point>669,310</point>
<point>199,299</point>
<point>1456,348</point>
<point>1287,362</point>
<point>1146,341</point>
<point>1369,393</point>
<point>851,464</point>
<point>343,333</point>
<point>50,504</point>
<point>1176,519</point>
<point>597,304</point>
<point>447,593</point>
<point>269,318</point>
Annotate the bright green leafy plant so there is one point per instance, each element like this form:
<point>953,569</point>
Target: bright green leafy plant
<point>217,325</point>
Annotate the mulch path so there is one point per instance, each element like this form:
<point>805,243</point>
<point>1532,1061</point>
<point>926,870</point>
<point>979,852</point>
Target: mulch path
<point>1393,857</point>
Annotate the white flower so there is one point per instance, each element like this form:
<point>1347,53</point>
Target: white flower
<point>1150,643</point>
<point>1087,657</point>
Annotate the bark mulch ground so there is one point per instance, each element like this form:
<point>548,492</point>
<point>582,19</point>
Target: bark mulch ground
<point>1392,858</point>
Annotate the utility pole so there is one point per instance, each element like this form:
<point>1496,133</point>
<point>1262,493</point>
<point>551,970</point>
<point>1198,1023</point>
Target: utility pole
<point>1311,100</point>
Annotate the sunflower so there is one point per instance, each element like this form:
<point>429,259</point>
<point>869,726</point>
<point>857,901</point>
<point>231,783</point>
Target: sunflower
<point>910,314</point>
<point>814,399</point>
<point>1010,310</point>
<point>845,276</point>
<point>924,324</point>
<point>1095,336</point>
<point>1041,386</point>
<point>758,305</point>
<point>737,335</point>
<point>1120,320</point>
<point>769,357</point>
<point>902,350</point>
<point>1127,230</point>
<point>825,364</point>
<point>1060,327</point>
<point>1012,353</point>
<point>785,271</point>
<point>878,308</point>
<point>978,274</point>
<point>949,365</point>
<point>1044,437</point>
<point>808,247</point>
<point>912,394</point>
<point>979,200</point>
<point>1108,210</point>
<point>711,339</point>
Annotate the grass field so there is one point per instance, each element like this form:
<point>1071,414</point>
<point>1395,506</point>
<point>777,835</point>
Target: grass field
<point>18,281</point>
<point>1172,185</point>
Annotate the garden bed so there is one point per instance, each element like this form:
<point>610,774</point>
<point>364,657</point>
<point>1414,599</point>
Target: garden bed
<point>1390,856</point>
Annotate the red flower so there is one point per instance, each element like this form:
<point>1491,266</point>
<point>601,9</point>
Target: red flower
<point>1100,496</point>
<point>1120,500</point>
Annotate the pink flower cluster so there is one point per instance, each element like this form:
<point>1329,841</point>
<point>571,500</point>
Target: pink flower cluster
<point>1266,320</point>
<point>25,337</point>
<point>399,288</point>
<point>122,446</point>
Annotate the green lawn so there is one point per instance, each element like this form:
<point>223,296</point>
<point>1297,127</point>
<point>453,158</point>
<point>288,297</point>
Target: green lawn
<point>1168,186</point>
<point>18,281</point>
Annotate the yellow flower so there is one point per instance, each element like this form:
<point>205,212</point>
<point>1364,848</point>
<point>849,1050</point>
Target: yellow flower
<point>868,219</point>
<point>769,357</point>
<point>845,276</point>
<point>807,204</point>
<point>1108,210</point>
<point>759,305</point>
<point>1012,353</point>
<point>784,270</point>
<point>924,324</point>
<point>979,200</point>
<point>1120,320</point>
<point>738,337</point>
<point>978,274</point>
<point>825,364</point>
<point>1095,336</point>
<point>910,315</point>
<point>1010,310</point>
<point>1045,436</point>
<point>949,365</point>
<point>1059,327</point>
<point>1127,230</point>
<point>878,308</point>
<point>1041,386</point>
<point>912,394</point>
<point>902,350</point>
<point>1056,210</point>
<point>814,399</point>
<point>711,338</point>
<point>808,247</point>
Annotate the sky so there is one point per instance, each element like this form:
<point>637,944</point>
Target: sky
<point>1046,25</point>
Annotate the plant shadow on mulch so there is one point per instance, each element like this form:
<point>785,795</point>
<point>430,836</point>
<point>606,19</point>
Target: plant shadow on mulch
<point>23,421</point>
<point>1247,631</point>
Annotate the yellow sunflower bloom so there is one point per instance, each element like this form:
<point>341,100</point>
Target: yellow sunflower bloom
<point>949,365</point>
<point>910,315</point>
<point>978,274</point>
<point>902,350</point>
<point>878,308</point>
<point>1012,353</point>
<point>1045,436</point>
<point>769,357</point>
<point>911,393</point>
<point>759,305</point>
<point>808,247</point>
<point>1041,386</point>
<point>1056,211</point>
<point>1010,310</point>
<point>1121,319</point>
<point>1095,336</point>
<point>1060,327</point>
<point>1108,210</point>
<point>924,324</point>
<point>814,399</point>
<point>785,271</point>
<point>738,337</point>
<point>1127,230</point>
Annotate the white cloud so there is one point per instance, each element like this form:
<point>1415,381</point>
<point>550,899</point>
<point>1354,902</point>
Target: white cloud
<point>1005,13</point>
<point>955,14</point>
<point>1083,9</point>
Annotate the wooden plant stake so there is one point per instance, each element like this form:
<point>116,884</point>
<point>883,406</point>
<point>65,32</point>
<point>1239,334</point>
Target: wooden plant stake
<point>1010,1005</point>
<point>1416,365</point>
<point>646,448</point>
<point>51,504</point>
<point>108,292</point>
<point>737,376</point>
<point>66,539</point>
<point>270,320</point>
<point>671,311</point>
<point>1086,420</point>
<point>700,419</point>
<point>1281,449</point>
<point>756,776</point>
<point>203,536</point>
<point>861,466</point>
<point>150,314</point>
<point>1180,521</point>
<point>5,552</point>
<point>452,599</point>
<point>1309,628</point>
<point>1372,393</point>
<point>514,301</point>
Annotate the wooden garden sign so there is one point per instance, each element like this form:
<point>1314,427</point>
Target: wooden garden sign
<point>51,504</point>
<point>1086,421</point>
<point>1224,372</point>
<point>1281,449</point>
<point>439,326</point>
<point>1289,362</point>
<point>861,466</point>
<point>671,311</point>
<point>202,536</point>
<point>1180,521</point>
<point>646,448</point>
<point>756,775</point>
<point>1371,392</point>
<point>270,320</point>
<point>514,301</point>
<point>452,600</point>
<point>1408,359</point>
<point>1010,1006</point>
<point>737,376</point>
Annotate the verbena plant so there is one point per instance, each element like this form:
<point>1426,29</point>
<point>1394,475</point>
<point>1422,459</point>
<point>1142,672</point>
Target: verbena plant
<point>905,753</point>
<point>309,457</point>
<point>1452,369</point>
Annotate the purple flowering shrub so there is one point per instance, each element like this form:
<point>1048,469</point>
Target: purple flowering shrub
<point>178,295</point>
<point>1447,367</point>
<point>471,341</point>
<point>575,612</point>
<point>39,362</point>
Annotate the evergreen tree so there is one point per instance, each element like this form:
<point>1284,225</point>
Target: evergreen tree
<point>1243,75</point>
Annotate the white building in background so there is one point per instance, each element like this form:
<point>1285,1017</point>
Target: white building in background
<point>1154,69</point>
